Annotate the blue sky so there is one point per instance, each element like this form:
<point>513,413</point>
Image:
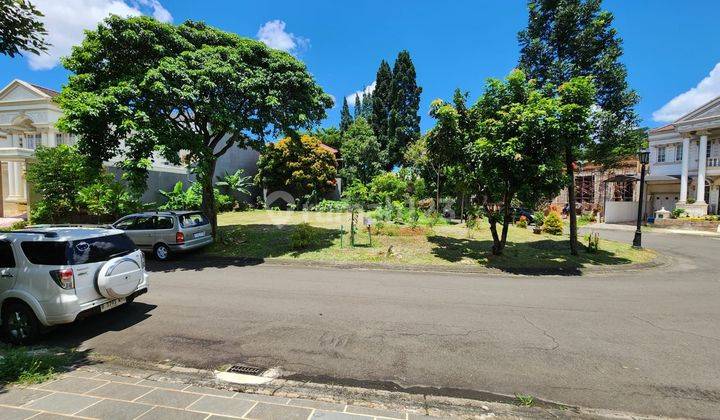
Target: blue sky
<point>671,47</point>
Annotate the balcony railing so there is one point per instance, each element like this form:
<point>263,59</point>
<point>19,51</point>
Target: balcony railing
<point>714,162</point>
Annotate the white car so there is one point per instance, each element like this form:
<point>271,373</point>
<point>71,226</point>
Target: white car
<point>56,275</point>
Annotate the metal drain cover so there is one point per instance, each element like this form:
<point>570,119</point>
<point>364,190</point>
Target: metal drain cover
<point>245,370</point>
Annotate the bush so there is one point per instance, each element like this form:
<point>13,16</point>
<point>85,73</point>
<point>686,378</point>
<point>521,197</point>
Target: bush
<point>107,199</point>
<point>677,213</point>
<point>539,217</point>
<point>357,194</point>
<point>22,224</point>
<point>191,199</point>
<point>593,242</point>
<point>302,237</point>
<point>522,222</point>
<point>387,187</point>
<point>553,223</point>
<point>332,206</point>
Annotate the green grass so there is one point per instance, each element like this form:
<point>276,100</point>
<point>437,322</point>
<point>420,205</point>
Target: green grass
<point>525,400</point>
<point>22,366</point>
<point>266,234</point>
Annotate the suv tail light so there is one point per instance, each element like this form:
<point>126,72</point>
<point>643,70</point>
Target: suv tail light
<point>179,237</point>
<point>64,278</point>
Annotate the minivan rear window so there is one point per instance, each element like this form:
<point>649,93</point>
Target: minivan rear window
<point>193,219</point>
<point>83,251</point>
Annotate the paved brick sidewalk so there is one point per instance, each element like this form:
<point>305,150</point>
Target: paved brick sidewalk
<point>88,394</point>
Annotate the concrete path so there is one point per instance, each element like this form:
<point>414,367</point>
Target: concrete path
<point>638,341</point>
<point>86,394</point>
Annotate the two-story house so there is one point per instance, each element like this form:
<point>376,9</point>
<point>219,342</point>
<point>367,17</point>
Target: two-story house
<point>684,169</point>
<point>28,115</point>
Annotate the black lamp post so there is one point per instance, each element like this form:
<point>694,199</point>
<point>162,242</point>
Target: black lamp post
<point>644,158</point>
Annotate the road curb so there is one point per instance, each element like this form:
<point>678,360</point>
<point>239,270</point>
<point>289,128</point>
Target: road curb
<point>590,270</point>
<point>415,401</point>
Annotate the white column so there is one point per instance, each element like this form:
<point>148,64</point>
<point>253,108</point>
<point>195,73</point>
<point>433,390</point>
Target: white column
<point>702,167</point>
<point>12,188</point>
<point>684,176</point>
<point>52,142</point>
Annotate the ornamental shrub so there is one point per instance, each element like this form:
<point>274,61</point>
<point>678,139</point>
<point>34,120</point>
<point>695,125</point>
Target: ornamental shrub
<point>332,206</point>
<point>302,237</point>
<point>522,222</point>
<point>553,223</point>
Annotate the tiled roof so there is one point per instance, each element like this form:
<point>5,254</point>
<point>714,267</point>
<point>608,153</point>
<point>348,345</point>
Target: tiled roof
<point>664,129</point>
<point>328,148</point>
<point>50,92</point>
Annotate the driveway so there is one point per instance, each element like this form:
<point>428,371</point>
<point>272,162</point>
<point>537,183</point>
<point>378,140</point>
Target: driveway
<point>646,341</point>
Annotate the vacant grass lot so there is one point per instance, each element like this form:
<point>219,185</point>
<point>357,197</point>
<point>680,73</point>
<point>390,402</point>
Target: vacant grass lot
<point>266,234</point>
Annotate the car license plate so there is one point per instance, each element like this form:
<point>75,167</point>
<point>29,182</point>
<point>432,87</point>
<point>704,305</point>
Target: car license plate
<point>199,234</point>
<point>112,304</point>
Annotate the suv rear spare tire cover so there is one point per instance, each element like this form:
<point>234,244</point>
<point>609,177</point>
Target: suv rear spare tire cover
<point>119,277</point>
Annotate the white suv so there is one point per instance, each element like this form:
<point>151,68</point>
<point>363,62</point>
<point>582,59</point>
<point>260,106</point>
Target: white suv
<point>56,275</point>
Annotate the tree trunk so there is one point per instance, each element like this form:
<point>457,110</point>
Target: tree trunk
<point>497,247</point>
<point>208,196</point>
<point>437,192</point>
<point>462,206</point>
<point>569,162</point>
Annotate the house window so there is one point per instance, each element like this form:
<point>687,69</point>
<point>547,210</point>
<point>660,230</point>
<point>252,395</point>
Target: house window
<point>58,138</point>
<point>624,191</point>
<point>661,154</point>
<point>678,152</point>
<point>585,189</point>
<point>707,150</point>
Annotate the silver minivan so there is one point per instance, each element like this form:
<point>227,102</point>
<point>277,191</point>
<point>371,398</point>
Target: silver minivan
<point>167,232</point>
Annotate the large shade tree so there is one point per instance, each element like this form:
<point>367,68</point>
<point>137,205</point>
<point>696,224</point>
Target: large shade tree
<point>21,28</point>
<point>140,87</point>
<point>363,158</point>
<point>570,38</point>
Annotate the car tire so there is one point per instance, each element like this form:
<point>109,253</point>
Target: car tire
<point>161,252</point>
<point>20,325</point>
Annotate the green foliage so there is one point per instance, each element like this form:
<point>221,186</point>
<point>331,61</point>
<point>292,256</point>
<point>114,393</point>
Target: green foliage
<point>553,224</point>
<point>539,217</point>
<point>522,222</point>
<point>107,199</point>
<point>300,166</point>
<point>303,236</point>
<point>358,107</point>
<point>18,365</point>
<point>517,152</point>
<point>57,175</point>
<point>236,182</point>
<point>330,136</point>
<point>22,30</point>
<point>345,118</point>
<point>593,241</point>
<point>189,88</point>
<point>191,198</point>
<point>386,188</point>
<point>677,213</point>
<point>332,206</point>
<point>404,103</point>
<point>357,194</point>
<point>381,103</point>
<point>22,224</point>
<point>362,155</point>
<point>525,400</point>
<point>573,38</point>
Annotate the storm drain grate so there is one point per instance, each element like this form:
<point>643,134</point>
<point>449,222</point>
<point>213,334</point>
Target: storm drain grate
<point>245,370</point>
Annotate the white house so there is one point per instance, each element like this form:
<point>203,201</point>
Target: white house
<point>28,115</point>
<point>684,170</point>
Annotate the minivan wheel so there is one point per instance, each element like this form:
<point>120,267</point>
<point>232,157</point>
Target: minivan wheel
<point>20,324</point>
<point>161,252</point>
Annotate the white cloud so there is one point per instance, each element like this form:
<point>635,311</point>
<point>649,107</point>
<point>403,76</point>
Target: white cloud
<point>66,20</point>
<point>368,89</point>
<point>273,35</point>
<point>705,91</point>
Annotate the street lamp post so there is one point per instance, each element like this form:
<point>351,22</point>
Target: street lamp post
<point>644,158</point>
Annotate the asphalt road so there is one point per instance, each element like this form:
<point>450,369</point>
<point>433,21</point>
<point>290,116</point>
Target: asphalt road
<point>646,341</point>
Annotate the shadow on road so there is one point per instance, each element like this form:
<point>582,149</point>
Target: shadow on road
<point>118,319</point>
